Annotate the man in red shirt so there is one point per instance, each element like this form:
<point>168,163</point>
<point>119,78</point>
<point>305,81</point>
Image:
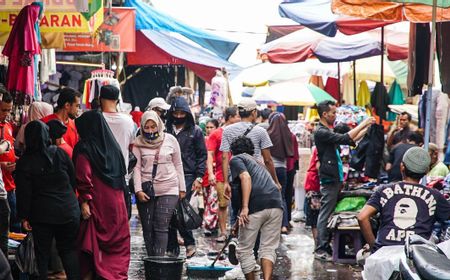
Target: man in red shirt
<point>8,160</point>
<point>216,178</point>
<point>66,111</point>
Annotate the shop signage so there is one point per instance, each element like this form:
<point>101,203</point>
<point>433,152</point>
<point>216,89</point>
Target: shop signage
<point>116,34</point>
<point>50,5</point>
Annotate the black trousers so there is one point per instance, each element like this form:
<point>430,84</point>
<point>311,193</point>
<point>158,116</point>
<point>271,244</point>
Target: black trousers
<point>65,236</point>
<point>289,193</point>
<point>4,225</point>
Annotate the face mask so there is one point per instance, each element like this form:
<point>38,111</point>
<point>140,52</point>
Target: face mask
<point>150,135</point>
<point>178,121</point>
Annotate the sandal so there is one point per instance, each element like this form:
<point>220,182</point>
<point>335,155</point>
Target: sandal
<point>190,251</point>
<point>221,239</point>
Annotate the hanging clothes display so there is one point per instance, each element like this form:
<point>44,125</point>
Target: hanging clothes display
<point>22,49</point>
<point>363,97</point>
<point>422,112</point>
<point>418,57</point>
<point>219,95</point>
<point>317,81</point>
<point>395,98</point>
<point>92,86</point>
<point>348,91</point>
<point>380,100</point>
<point>332,87</point>
<point>443,53</point>
<point>47,67</point>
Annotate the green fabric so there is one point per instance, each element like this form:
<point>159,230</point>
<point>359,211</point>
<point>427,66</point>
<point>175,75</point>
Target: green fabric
<point>353,204</point>
<point>395,98</point>
<point>94,6</point>
<point>319,94</point>
<point>440,3</point>
<point>340,166</point>
<point>400,69</point>
<point>439,170</point>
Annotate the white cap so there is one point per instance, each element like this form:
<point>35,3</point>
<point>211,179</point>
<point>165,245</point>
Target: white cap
<point>158,102</point>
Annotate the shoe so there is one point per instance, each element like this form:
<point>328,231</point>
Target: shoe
<point>323,256</point>
<point>190,251</point>
<point>232,252</point>
<point>221,239</point>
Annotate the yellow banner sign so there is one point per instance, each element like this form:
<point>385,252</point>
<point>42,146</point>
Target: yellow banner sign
<point>50,5</point>
<point>57,22</point>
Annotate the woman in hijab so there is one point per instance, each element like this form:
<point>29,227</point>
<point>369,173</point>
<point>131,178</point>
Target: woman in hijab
<point>104,237</point>
<point>158,161</point>
<point>36,111</point>
<point>46,201</point>
<point>280,135</point>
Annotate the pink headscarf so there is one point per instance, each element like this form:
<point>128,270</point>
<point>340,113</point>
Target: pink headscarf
<point>37,111</point>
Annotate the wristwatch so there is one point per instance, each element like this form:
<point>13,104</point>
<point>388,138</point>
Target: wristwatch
<point>199,179</point>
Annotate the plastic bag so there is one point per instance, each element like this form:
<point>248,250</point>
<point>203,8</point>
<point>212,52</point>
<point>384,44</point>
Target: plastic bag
<point>187,218</point>
<point>25,257</point>
<point>197,202</point>
<point>350,204</point>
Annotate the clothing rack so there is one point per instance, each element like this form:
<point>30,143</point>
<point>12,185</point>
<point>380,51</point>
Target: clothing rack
<point>102,74</point>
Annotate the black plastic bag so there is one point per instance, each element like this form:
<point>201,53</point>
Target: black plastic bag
<point>25,257</point>
<point>187,218</point>
<point>132,161</point>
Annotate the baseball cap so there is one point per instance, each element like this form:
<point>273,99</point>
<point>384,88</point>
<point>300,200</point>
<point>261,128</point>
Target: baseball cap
<point>247,104</point>
<point>158,102</point>
<point>417,160</point>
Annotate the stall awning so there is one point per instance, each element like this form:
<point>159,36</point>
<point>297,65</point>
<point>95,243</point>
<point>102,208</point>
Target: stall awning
<point>160,47</point>
<point>149,18</point>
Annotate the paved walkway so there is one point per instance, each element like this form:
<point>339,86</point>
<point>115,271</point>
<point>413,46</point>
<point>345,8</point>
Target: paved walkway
<point>295,259</point>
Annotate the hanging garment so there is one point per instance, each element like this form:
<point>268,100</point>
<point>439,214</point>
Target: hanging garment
<point>363,97</point>
<point>422,112</point>
<point>317,81</point>
<point>441,120</point>
<point>348,91</point>
<point>395,98</point>
<point>443,53</point>
<point>369,152</point>
<point>418,57</point>
<point>332,87</point>
<point>21,47</point>
<point>380,100</point>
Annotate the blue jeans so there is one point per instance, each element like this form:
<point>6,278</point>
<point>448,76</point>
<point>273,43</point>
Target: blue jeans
<point>14,223</point>
<point>282,178</point>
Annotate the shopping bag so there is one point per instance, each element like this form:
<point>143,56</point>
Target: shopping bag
<point>25,257</point>
<point>187,218</point>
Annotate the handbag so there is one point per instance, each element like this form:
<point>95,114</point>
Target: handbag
<point>25,257</point>
<point>147,187</point>
<point>187,218</point>
<point>132,161</point>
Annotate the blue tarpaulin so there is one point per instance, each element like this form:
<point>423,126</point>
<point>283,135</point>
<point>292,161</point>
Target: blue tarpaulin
<point>149,18</point>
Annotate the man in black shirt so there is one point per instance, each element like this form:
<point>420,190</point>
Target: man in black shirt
<point>258,199</point>
<point>405,207</point>
<point>401,132</point>
<point>396,155</point>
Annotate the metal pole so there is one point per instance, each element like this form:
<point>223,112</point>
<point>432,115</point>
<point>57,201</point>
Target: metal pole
<point>339,83</point>
<point>354,81</point>
<point>430,76</point>
<point>382,72</point>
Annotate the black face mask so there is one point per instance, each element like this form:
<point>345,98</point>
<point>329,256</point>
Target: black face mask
<point>178,121</point>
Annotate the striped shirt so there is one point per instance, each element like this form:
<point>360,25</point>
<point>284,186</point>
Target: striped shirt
<point>258,135</point>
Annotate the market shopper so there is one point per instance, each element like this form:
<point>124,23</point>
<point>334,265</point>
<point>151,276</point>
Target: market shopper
<point>159,181</point>
<point>159,105</point>
<point>210,197</point>
<point>259,202</point>
<point>265,114</point>
<point>312,190</point>
<point>292,166</point>
<point>67,108</point>
<point>405,207</point>
<point>36,111</point>
<point>104,236</point>
<point>400,131</point>
<point>46,200</point>
<point>180,123</point>
<point>215,177</point>
<point>396,155</point>
<point>4,206</point>
<point>56,131</point>
<point>437,167</point>
<point>248,112</point>
<point>330,169</point>
<point>282,148</point>
<point>8,160</point>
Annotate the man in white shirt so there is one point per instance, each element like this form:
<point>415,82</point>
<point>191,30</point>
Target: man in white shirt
<point>121,125</point>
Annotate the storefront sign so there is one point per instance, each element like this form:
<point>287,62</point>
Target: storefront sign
<point>116,34</point>
<point>50,5</point>
<point>56,21</point>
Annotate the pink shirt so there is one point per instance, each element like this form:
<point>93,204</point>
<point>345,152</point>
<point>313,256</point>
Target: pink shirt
<point>169,178</point>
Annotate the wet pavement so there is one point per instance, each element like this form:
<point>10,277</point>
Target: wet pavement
<point>295,258</point>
